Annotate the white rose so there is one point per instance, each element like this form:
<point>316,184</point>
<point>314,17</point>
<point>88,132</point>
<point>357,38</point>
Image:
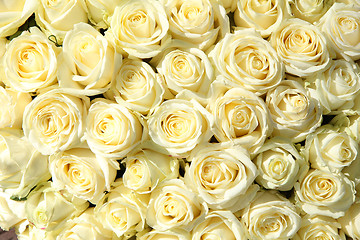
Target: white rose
<point>341,24</point>
<point>351,221</point>
<point>240,117</point>
<point>173,205</point>
<point>337,87</point>
<point>12,212</point>
<point>310,10</point>
<point>86,226</point>
<point>319,227</point>
<point>279,164</point>
<point>82,173</point>
<point>323,193</point>
<point>49,209</point>
<point>179,125</point>
<point>302,47</point>
<point>58,17</point>
<point>88,62</point>
<point>199,22</point>
<point>139,28</point>
<point>271,216</point>
<point>13,14</point>
<point>54,121</point>
<point>222,175</point>
<point>172,234</point>
<point>246,60</point>
<point>30,62</point>
<point>137,86</point>
<point>295,114</point>
<point>122,210</point>
<point>13,106</point>
<point>100,11</point>
<point>145,169</point>
<point>112,130</point>
<point>264,16</point>
<point>22,166</point>
<point>329,149</point>
<point>219,225</point>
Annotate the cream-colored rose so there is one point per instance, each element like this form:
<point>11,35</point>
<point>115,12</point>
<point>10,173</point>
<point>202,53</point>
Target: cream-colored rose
<point>49,209</point>
<point>173,205</point>
<point>27,231</point>
<point>199,22</point>
<point>59,16</point>
<point>248,61</point>
<point>14,13</point>
<point>341,24</point>
<point>112,130</point>
<point>337,87</point>
<point>54,121</point>
<point>139,28</point>
<point>351,221</point>
<point>100,10</point>
<point>145,169</point>
<point>88,63</point>
<point>279,164</point>
<point>82,173</point>
<point>179,125</point>
<point>172,234</point>
<point>122,210</point>
<point>137,86</point>
<point>271,216</point>
<point>264,16</point>
<point>310,10</point>
<point>222,175</point>
<point>349,124</point>
<point>219,225</point>
<point>30,62</point>
<point>240,117</point>
<point>302,47</point>
<point>12,212</point>
<point>330,149</point>
<point>86,226</point>
<point>22,167</point>
<point>324,193</point>
<point>13,105</point>
<point>319,227</point>
<point>295,114</point>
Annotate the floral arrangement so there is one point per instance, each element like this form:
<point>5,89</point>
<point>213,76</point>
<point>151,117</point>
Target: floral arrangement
<point>180,119</point>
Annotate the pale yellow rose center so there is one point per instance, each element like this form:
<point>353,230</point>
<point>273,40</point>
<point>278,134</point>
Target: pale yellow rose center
<point>132,82</point>
<point>139,24</point>
<point>350,29</point>
<point>178,126</point>
<point>252,62</point>
<point>87,54</point>
<point>173,208</point>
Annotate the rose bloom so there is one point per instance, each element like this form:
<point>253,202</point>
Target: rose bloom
<point>122,210</point>
<point>22,166</point>
<point>58,17</point>
<point>240,117</point>
<point>329,149</point>
<point>341,24</point>
<point>12,212</point>
<point>279,164</point>
<point>295,114</point>
<point>13,14</point>
<point>349,124</point>
<point>337,87</point>
<point>323,193</point>
<point>219,225</point>
<point>350,222</point>
<point>137,86</point>
<point>30,62</point>
<point>302,47</point>
<point>100,10</point>
<point>88,62</point>
<point>199,22</point>
<point>310,10</point>
<point>246,60</point>
<point>54,121</point>
<point>179,125</point>
<point>264,16</point>
<point>82,173</point>
<point>172,234</point>
<point>319,227</point>
<point>173,205</point>
<point>270,216</point>
<point>146,168</point>
<point>222,175</point>
<point>13,106</point>
<point>112,130</point>
<point>139,28</point>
